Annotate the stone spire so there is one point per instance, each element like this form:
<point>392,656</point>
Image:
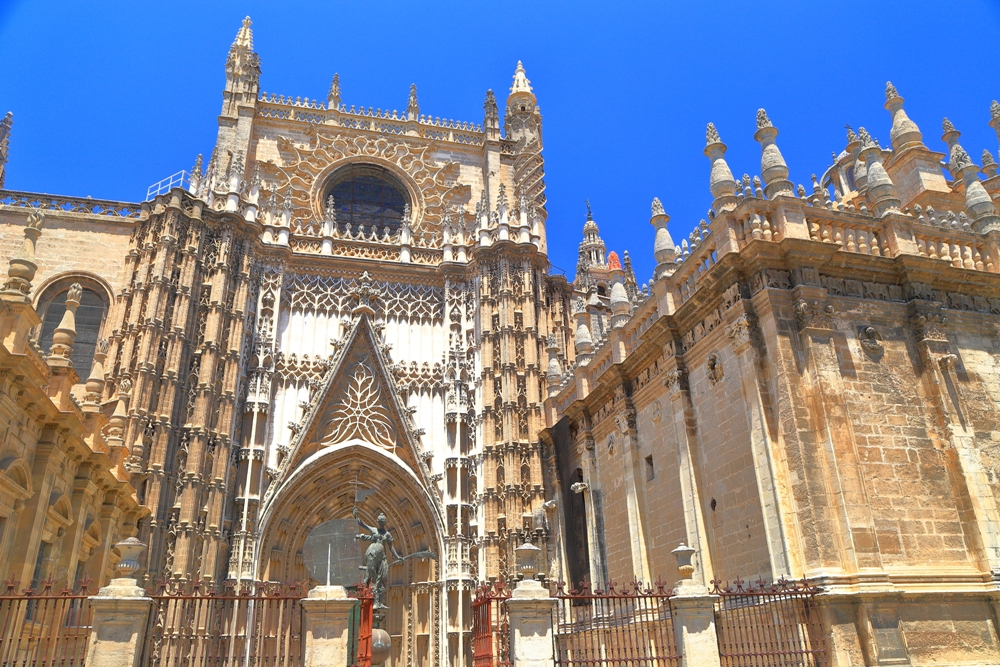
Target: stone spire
<point>521,84</point>
<point>491,115</point>
<point>720,181</point>
<point>243,62</point>
<point>904,132</point>
<point>950,136</point>
<point>333,97</point>
<point>5,126</point>
<point>995,117</point>
<point>631,285</point>
<point>115,431</point>
<point>592,248</point>
<point>664,249</point>
<point>773,169</point>
<point>195,179</point>
<point>412,105</point>
<point>65,334</point>
<point>881,192</point>
<point>978,202</point>
<point>22,267</point>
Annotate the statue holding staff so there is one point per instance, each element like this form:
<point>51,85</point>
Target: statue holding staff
<point>376,564</point>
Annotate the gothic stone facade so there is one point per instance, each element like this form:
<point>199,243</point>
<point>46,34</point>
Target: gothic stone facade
<point>352,306</point>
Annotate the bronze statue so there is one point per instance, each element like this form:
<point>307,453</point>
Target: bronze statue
<point>376,565</point>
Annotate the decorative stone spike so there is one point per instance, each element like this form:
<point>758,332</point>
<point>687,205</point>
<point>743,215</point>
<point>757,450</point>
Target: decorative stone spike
<point>881,192</point>
<point>65,334</point>
<point>904,132</point>
<point>333,97</point>
<point>664,249</point>
<point>21,270</point>
<point>720,180</point>
<point>413,106</point>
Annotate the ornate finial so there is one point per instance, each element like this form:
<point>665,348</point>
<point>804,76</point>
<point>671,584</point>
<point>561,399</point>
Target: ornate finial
<point>366,292</point>
<point>866,139</point>
<point>994,109</point>
<point>333,97</point>
<point>35,220</point>
<point>947,126</point>
<point>712,135</point>
<point>196,173</point>
<point>330,212</point>
<point>590,216</point>
<point>851,137</point>
<point>988,158</point>
<point>762,119</point>
<point>521,82</point>
<point>960,157</point>
<point>413,106</point>
<point>502,197</point>
<point>657,206</point>
<point>65,334</point>
<point>5,126</point>
<point>890,91</point>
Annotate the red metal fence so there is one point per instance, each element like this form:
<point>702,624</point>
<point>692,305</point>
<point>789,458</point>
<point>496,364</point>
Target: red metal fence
<point>46,628</point>
<point>629,626</point>
<point>769,625</point>
<point>251,625</point>
<point>366,602</point>
<point>491,626</point>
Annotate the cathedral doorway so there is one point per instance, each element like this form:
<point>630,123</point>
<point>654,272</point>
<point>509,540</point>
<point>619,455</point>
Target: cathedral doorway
<point>328,485</point>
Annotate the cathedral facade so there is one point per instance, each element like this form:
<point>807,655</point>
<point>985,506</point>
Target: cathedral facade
<point>353,308</point>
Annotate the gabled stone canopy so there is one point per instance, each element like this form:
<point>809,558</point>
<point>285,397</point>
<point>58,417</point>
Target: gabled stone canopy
<point>357,400</point>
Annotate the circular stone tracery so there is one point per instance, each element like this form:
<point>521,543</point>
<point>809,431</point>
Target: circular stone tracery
<point>367,196</point>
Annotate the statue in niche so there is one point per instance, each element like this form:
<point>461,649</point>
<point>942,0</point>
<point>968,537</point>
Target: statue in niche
<point>376,565</point>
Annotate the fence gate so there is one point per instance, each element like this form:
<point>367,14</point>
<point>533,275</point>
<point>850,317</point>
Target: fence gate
<point>245,624</point>
<point>629,626</point>
<point>44,628</point>
<point>769,625</point>
<point>491,626</point>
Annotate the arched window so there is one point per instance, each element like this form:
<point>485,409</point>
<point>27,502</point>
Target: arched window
<point>89,318</point>
<point>365,196</point>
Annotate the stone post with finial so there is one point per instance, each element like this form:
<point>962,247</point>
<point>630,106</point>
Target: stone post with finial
<point>693,611</point>
<point>720,180</point>
<point>664,249</point>
<point>531,609</point>
<point>20,317</point>
<point>64,376</point>
<point>121,611</point>
<point>773,169</point>
<point>978,203</point>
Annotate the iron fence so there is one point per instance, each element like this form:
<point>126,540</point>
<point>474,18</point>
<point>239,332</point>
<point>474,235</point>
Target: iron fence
<point>44,628</point>
<point>769,625</point>
<point>491,626</point>
<point>619,627</point>
<point>245,624</point>
<point>361,626</point>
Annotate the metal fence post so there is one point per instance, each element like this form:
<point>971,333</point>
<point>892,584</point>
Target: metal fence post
<point>530,608</point>
<point>693,609</point>
<point>121,610</point>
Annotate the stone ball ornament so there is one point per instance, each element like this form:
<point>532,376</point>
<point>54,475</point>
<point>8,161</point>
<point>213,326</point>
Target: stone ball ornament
<point>381,646</point>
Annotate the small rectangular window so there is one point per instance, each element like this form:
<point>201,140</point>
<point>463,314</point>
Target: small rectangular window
<point>650,471</point>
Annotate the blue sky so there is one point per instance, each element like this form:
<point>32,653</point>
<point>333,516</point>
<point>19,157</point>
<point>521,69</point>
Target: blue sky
<point>110,97</point>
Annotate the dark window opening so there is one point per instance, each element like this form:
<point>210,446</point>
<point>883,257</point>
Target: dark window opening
<point>650,471</point>
<point>367,196</point>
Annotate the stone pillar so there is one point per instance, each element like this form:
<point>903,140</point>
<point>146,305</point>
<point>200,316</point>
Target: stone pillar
<point>693,611</point>
<point>121,611</point>
<point>326,614</point>
<point>530,609</point>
